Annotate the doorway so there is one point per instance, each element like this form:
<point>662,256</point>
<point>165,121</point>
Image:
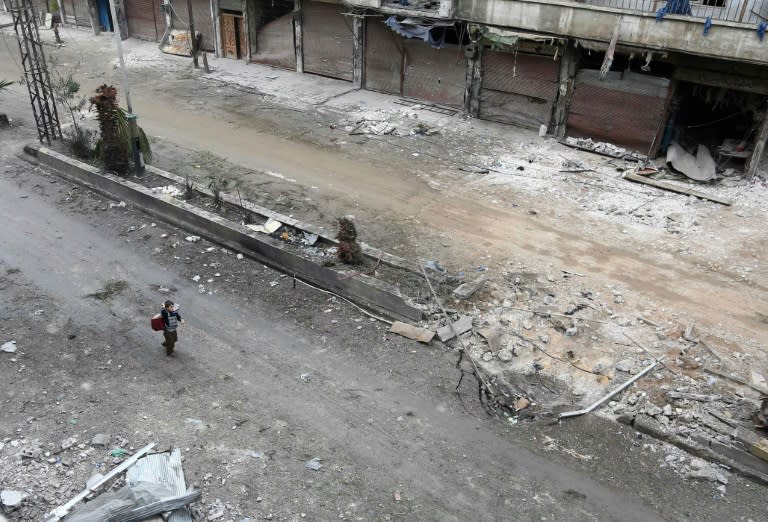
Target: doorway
<point>105,16</point>
<point>233,35</point>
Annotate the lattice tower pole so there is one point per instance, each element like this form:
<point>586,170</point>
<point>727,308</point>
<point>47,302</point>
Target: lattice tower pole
<point>35,70</point>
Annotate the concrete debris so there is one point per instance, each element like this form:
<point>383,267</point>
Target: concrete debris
<point>463,325</point>
<point>100,440</point>
<point>171,190</point>
<point>8,347</point>
<point>11,499</point>
<point>467,290</point>
<point>492,336</point>
<point>625,365</point>
<point>412,332</point>
<point>694,396</point>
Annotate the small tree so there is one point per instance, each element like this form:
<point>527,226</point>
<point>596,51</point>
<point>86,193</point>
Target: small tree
<point>66,91</point>
<point>348,251</point>
<point>112,149</point>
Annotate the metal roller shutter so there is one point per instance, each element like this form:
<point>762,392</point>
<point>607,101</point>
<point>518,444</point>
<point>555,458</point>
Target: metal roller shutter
<point>383,57</point>
<point>518,88</point>
<point>82,17</point>
<point>626,108</point>
<point>274,40</point>
<point>436,75</point>
<point>140,15</point>
<point>327,40</point>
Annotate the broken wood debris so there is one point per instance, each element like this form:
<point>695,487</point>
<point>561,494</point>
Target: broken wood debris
<point>694,396</point>
<point>412,332</point>
<point>674,188</point>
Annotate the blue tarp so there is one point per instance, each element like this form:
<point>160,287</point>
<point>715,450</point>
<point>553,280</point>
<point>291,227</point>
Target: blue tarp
<point>418,31</point>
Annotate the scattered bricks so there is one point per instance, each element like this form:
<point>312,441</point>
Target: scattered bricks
<point>760,449</point>
<point>466,290</point>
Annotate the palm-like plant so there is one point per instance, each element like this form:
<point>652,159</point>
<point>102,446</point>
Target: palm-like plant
<point>4,84</point>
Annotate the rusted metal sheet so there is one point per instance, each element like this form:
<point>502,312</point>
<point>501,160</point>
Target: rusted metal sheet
<point>383,57</point>
<point>514,109</point>
<point>436,75</point>
<point>140,15</point>
<point>274,40</point>
<point>518,88</point>
<point>626,109</point>
<point>327,40</point>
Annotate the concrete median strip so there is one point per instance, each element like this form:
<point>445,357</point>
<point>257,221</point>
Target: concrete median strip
<point>363,290</point>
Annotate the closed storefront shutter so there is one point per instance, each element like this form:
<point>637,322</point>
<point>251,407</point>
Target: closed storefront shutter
<point>80,8</point>
<point>625,109</point>
<point>518,88</point>
<point>140,15</point>
<point>327,40</point>
<point>383,57</point>
<point>436,75</point>
<point>274,39</point>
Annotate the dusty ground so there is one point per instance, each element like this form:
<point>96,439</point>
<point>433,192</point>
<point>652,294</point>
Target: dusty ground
<point>285,140</point>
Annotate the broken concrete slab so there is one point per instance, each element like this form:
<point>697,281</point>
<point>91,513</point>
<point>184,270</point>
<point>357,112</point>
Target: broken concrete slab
<point>492,336</point>
<point>412,332</point>
<point>100,440</point>
<point>468,289</point>
<point>11,499</point>
<point>464,324</point>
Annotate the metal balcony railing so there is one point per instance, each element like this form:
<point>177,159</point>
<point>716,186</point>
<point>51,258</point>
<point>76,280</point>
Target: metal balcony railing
<point>743,11</point>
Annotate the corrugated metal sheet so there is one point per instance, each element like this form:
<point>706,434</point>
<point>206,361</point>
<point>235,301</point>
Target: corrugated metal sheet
<point>519,89</point>
<point>77,12</point>
<point>140,15</point>
<point>274,40</point>
<point>625,109</point>
<point>165,469</point>
<point>327,40</point>
<point>383,57</point>
<point>436,75</point>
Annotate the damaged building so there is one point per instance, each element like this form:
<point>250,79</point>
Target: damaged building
<point>637,74</point>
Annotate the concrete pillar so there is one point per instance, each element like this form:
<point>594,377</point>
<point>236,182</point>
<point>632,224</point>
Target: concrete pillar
<point>568,63</point>
<point>121,23</point>
<point>215,16</point>
<point>760,142</point>
<point>358,50</point>
<point>298,36</point>
<point>474,78</point>
<point>94,17</point>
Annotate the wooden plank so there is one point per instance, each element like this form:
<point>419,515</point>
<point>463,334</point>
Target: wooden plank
<point>674,188</point>
<point>412,332</point>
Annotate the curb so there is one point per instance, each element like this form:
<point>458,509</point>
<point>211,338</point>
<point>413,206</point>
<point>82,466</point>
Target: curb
<point>362,290</point>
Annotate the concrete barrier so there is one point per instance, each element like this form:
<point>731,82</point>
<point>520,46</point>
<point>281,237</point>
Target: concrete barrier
<point>363,290</point>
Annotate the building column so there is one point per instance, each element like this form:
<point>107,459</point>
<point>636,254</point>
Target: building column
<point>568,63</point>
<point>298,36</point>
<point>358,51</point>
<point>216,17</point>
<point>760,142</point>
<point>121,24</point>
<point>474,78</point>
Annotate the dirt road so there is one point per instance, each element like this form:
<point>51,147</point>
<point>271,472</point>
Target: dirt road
<point>395,442</point>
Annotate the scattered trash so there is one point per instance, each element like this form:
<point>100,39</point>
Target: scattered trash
<point>700,168</point>
<point>256,454</point>
<point>310,239</point>
<point>118,453</point>
<point>192,239</point>
<point>240,256</point>
<point>269,227</point>
<point>171,190</point>
<point>412,332</point>
<point>305,377</point>
<point>118,205</point>
<point>100,439</point>
<point>38,312</point>
<point>313,464</point>
<point>11,499</point>
<point>434,266</point>
<point>8,347</point>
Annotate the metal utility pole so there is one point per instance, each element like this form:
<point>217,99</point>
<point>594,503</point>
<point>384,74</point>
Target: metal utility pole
<point>35,70</point>
<point>192,35</point>
<point>133,126</point>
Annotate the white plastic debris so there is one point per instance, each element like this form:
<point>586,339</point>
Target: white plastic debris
<point>313,464</point>
<point>239,256</point>
<point>192,239</point>
<point>196,278</point>
<point>113,205</point>
<point>9,347</point>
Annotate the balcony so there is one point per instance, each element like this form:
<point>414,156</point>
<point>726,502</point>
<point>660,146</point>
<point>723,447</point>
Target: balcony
<point>746,12</point>
<point>730,34</point>
<point>415,8</point>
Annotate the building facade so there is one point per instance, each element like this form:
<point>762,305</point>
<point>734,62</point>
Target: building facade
<point>636,73</point>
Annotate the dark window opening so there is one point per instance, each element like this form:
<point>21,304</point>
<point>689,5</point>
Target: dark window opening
<point>622,62</point>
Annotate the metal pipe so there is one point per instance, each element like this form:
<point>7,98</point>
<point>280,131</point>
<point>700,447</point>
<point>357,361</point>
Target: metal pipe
<point>606,397</point>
